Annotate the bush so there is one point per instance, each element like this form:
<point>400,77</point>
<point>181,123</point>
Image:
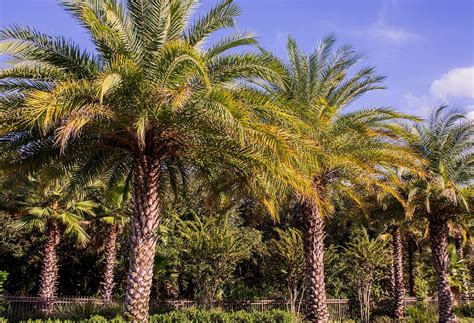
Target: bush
<point>101,319</point>
<point>465,310</point>
<point>81,311</point>
<point>421,313</point>
<point>188,315</point>
<point>218,316</point>
<point>3,278</point>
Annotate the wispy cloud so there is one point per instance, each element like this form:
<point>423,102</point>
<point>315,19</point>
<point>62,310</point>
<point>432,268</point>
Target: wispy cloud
<point>383,30</point>
<point>390,33</point>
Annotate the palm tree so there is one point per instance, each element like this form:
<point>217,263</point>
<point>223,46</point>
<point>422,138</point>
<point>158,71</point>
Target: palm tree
<point>51,212</point>
<point>150,103</point>
<point>398,218</point>
<point>114,212</point>
<point>445,141</point>
<point>398,279</point>
<point>348,148</point>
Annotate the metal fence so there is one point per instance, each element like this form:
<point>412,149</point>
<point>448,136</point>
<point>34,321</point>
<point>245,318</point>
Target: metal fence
<point>25,307</point>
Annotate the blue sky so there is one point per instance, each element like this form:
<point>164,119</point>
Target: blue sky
<point>424,47</point>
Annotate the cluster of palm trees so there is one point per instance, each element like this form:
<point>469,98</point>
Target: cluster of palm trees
<point>153,104</point>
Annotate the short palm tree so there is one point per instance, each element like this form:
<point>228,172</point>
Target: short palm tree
<point>392,216</point>
<point>150,102</point>
<point>398,219</point>
<point>349,149</point>
<point>48,210</point>
<point>446,142</point>
<point>114,210</point>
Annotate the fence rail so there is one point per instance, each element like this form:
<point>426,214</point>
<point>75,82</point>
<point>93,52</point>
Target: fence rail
<point>24,307</point>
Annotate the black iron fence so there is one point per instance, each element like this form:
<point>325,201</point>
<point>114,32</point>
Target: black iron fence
<point>24,307</point>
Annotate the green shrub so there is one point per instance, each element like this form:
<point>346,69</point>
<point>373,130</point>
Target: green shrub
<point>382,319</point>
<point>75,311</point>
<point>102,319</point>
<point>97,319</point>
<point>48,321</point>
<point>187,315</point>
<point>3,279</point>
<point>218,316</point>
<point>81,311</point>
<point>465,310</point>
<point>421,313</point>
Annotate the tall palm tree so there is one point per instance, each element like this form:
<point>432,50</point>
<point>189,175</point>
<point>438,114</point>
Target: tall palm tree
<point>114,212</point>
<point>446,142</point>
<point>348,148</point>
<point>51,212</point>
<point>151,102</point>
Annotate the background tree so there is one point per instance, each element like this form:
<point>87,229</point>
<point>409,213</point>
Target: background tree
<point>445,140</point>
<point>49,211</point>
<point>285,259</point>
<point>366,263</point>
<point>210,249</point>
<point>113,211</point>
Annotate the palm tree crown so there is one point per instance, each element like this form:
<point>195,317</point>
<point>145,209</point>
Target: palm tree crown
<point>446,142</point>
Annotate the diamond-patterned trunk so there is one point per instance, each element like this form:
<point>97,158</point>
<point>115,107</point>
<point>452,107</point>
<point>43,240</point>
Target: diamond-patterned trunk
<point>143,226</point>
<point>440,257</point>
<point>49,272</point>
<point>316,308</point>
<point>110,256</point>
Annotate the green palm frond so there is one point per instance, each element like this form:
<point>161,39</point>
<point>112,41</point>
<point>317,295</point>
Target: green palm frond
<point>23,43</point>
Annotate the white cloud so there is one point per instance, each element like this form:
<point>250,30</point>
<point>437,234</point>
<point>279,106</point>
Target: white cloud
<point>455,87</point>
<point>418,105</point>
<point>458,82</point>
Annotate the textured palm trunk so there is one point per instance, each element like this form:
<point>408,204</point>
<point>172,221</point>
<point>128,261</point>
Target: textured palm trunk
<point>411,265</point>
<point>49,272</point>
<point>440,257</point>
<point>458,242</point>
<point>316,308</point>
<point>143,226</point>
<point>110,257</point>
<point>399,288</point>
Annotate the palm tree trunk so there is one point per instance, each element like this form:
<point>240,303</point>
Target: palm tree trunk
<point>399,288</point>
<point>143,226</point>
<point>110,256</point>
<point>49,272</point>
<point>316,308</point>
<point>411,265</point>
<point>439,252</point>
